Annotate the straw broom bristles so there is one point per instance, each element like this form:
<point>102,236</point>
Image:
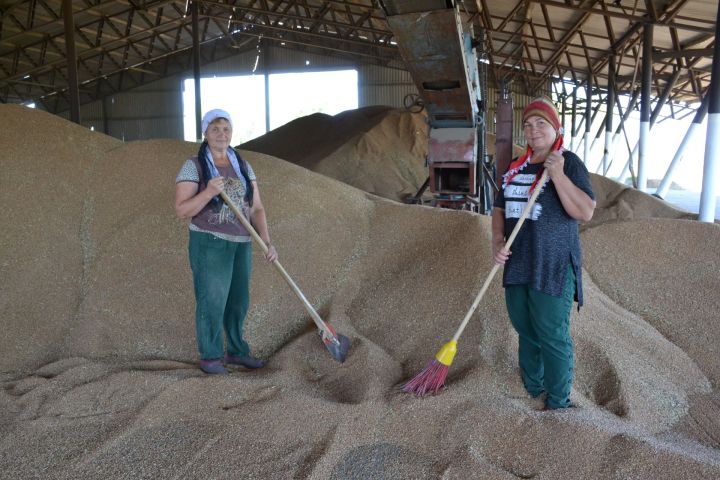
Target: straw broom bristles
<point>432,378</point>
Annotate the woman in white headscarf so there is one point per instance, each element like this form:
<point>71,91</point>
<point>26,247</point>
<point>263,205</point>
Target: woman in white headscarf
<point>220,248</point>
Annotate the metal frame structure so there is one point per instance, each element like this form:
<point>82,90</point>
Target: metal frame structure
<point>119,45</point>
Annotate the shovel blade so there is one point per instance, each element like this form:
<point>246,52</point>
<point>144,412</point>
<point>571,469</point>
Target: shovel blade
<point>338,347</point>
<point>337,344</point>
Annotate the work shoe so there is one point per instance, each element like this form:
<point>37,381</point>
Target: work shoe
<point>244,360</point>
<point>213,367</point>
<point>537,402</point>
<point>548,408</point>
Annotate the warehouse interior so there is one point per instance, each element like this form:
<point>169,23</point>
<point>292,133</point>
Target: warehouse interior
<point>132,57</point>
<point>99,375</point>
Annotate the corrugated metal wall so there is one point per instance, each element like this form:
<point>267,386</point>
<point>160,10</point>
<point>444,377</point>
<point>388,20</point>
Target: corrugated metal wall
<point>520,99</point>
<point>150,111</point>
<point>384,86</point>
<point>376,85</point>
<point>155,110</point>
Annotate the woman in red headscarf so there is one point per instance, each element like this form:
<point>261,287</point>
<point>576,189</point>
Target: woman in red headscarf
<point>542,274</point>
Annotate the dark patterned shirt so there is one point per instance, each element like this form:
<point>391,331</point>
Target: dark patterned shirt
<point>549,239</point>
<point>219,219</point>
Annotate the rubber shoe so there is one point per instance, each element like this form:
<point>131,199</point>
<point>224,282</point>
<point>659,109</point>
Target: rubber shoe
<point>213,367</point>
<point>244,360</point>
<point>559,409</point>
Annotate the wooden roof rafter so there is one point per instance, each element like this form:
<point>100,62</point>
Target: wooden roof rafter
<point>706,25</point>
<point>565,40</point>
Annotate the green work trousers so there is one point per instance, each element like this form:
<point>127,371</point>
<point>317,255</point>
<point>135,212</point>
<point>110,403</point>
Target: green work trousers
<point>221,276</point>
<point>545,348</point>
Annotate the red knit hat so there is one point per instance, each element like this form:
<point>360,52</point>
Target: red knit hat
<point>543,107</point>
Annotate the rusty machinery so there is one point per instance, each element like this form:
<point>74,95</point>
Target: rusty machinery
<point>439,50</point>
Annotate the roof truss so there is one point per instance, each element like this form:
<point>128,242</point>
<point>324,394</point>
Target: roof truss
<point>121,44</point>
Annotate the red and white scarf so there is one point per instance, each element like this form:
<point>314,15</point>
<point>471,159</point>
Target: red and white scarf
<point>518,165</point>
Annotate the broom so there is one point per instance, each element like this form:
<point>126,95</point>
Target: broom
<point>432,378</point>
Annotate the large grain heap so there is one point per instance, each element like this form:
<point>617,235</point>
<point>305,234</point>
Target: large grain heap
<point>99,371</point>
<point>353,147</point>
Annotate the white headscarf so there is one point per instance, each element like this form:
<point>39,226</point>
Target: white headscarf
<point>210,117</point>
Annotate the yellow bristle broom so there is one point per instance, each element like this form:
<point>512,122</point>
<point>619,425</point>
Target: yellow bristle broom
<point>432,378</point>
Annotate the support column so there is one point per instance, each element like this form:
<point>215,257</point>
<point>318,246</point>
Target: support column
<point>196,68</point>
<point>73,90</point>
<point>598,134</point>
<point>588,117</point>
<point>621,127</point>
<point>656,112</point>
<point>503,133</point>
<point>595,112</point>
<point>680,153</point>
<point>609,117</point>
<point>645,106</point>
<point>712,142</point>
<point>106,125</point>
<point>266,69</point>
<point>625,115</point>
<point>573,126</point>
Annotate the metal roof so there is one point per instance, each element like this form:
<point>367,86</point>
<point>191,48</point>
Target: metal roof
<point>121,44</point>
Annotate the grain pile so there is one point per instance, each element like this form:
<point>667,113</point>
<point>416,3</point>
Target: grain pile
<point>353,147</point>
<point>99,376</point>
<point>619,202</point>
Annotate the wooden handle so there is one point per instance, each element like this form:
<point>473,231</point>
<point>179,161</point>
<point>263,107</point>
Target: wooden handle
<point>496,267</point>
<point>293,286</point>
